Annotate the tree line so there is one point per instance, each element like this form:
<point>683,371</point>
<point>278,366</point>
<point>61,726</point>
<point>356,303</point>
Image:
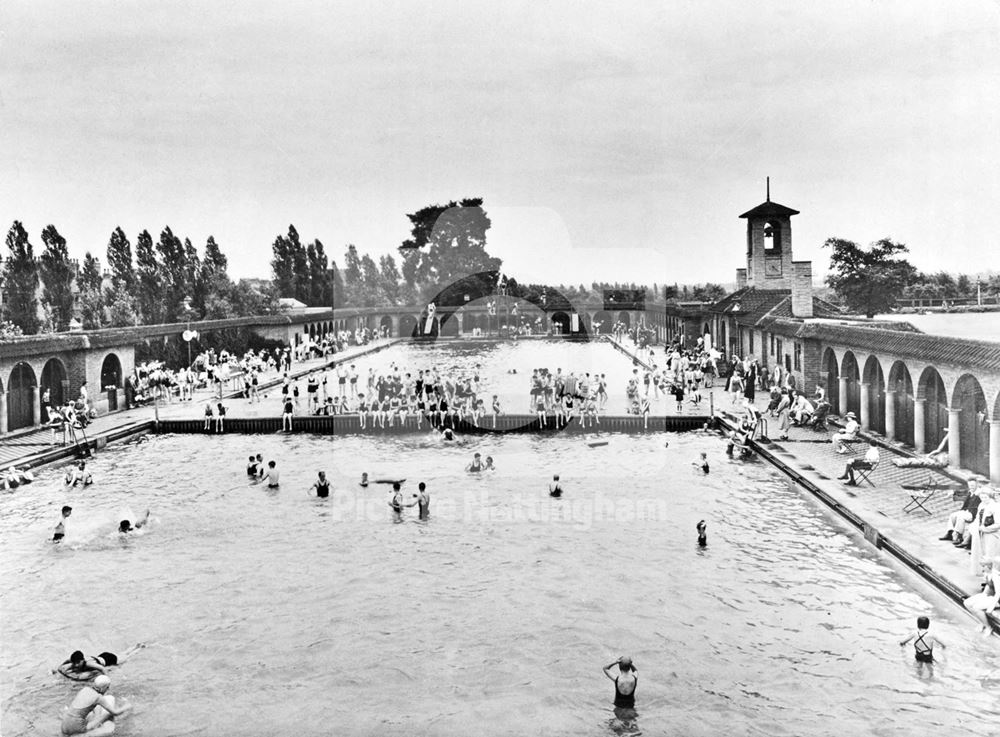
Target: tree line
<point>161,281</point>
<point>871,280</point>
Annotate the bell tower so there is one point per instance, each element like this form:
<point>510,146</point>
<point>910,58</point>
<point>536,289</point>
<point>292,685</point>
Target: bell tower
<point>769,245</point>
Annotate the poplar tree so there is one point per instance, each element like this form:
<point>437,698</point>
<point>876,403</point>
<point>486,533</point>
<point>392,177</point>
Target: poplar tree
<point>90,282</point>
<point>56,271</point>
<point>120,262</point>
<point>320,289</point>
<point>20,281</point>
<point>147,270</point>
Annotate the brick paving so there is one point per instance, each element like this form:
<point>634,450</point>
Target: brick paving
<point>880,504</point>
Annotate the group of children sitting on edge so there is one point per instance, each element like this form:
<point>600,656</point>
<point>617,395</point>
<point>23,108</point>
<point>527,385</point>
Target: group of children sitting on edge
<point>215,417</point>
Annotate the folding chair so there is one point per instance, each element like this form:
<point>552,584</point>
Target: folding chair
<point>917,501</point>
<point>862,474</point>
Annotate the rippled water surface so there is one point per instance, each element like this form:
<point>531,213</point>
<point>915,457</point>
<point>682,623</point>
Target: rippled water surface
<point>271,612</point>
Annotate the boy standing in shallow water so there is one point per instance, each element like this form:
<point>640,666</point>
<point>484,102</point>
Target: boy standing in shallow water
<point>923,643</point>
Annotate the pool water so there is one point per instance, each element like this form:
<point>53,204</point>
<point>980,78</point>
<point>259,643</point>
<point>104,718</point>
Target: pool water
<point>505,368</point>
<point>272,612</point>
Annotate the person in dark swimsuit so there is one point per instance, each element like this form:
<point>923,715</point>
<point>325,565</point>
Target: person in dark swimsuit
<point>625,682</point>
<point>923,642</point>
<point>60,531</point>
<point>322,486</point>
<point>396,503</point>
<point>476,466</point>
<point>423,501</point>
<point>555,488</point>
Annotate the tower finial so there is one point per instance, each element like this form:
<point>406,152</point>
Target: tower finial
<point>769,189</point>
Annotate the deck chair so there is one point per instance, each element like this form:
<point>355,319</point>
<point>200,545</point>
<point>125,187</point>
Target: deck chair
<point>918,499</point>
<point>863,474</point>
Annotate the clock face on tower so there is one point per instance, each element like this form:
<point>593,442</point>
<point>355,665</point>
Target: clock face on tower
<point>772,267</point>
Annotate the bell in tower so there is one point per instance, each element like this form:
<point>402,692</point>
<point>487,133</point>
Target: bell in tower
<point>769,244</point>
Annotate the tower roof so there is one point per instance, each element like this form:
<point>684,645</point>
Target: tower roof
<point>769,209</point>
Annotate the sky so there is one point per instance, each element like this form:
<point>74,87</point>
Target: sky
<point>614,141</point>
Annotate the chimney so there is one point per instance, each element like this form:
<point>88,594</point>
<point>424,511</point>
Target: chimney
<point>802,289</point>
<point>741,278</point>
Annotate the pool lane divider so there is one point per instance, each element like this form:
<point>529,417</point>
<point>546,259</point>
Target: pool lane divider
<point>350,425</point>
<point>870,532</point>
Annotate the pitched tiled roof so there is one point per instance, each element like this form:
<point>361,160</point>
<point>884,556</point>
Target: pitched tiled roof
<point>821,308</point>
<point>751,301</point>
<point>769,209</point>
<point>934,349</point>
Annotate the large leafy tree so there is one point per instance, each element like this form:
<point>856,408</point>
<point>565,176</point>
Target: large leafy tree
<point>57,272</point>
<point>869,281</point>
<point>447,244</point>
<point>20,281</point>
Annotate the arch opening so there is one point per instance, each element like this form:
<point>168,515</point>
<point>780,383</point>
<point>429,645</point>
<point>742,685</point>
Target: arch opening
<point>901,386</point>
<point>849,371</point>
<point>832,371</point>
<point>20,400</point>
<point>973,425</point>
<point>875,379</point>
<point>54,382</point>
<point>111,373</point>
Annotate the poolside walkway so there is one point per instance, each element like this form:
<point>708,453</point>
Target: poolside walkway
<point>809,456</point>
<point>34,447</point>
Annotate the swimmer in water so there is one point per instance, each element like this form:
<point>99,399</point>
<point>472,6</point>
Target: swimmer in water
<point>252,467</point>
<point>923,643</point>
<point>489,464</point>
<point>702,462</point>
<point>60,531</point>
<point>702,535</point>
<point>322,486</point>
<point>476,466</point>
<point>79,476</point>
<point>397,499</point>
<point>555,489</point>
<point>271,476</point>
<point>625,682</point>
<point>81,668</point>
<point>364,480</point>
<point>126,526</point>
<point>423,500</point>
<point>92,710</point>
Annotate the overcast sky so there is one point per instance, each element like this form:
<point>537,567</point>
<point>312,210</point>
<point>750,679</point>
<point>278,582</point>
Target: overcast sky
<point>617,141</point>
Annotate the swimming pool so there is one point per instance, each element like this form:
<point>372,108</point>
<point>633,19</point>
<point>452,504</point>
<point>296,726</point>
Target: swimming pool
<point>270,612</point>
